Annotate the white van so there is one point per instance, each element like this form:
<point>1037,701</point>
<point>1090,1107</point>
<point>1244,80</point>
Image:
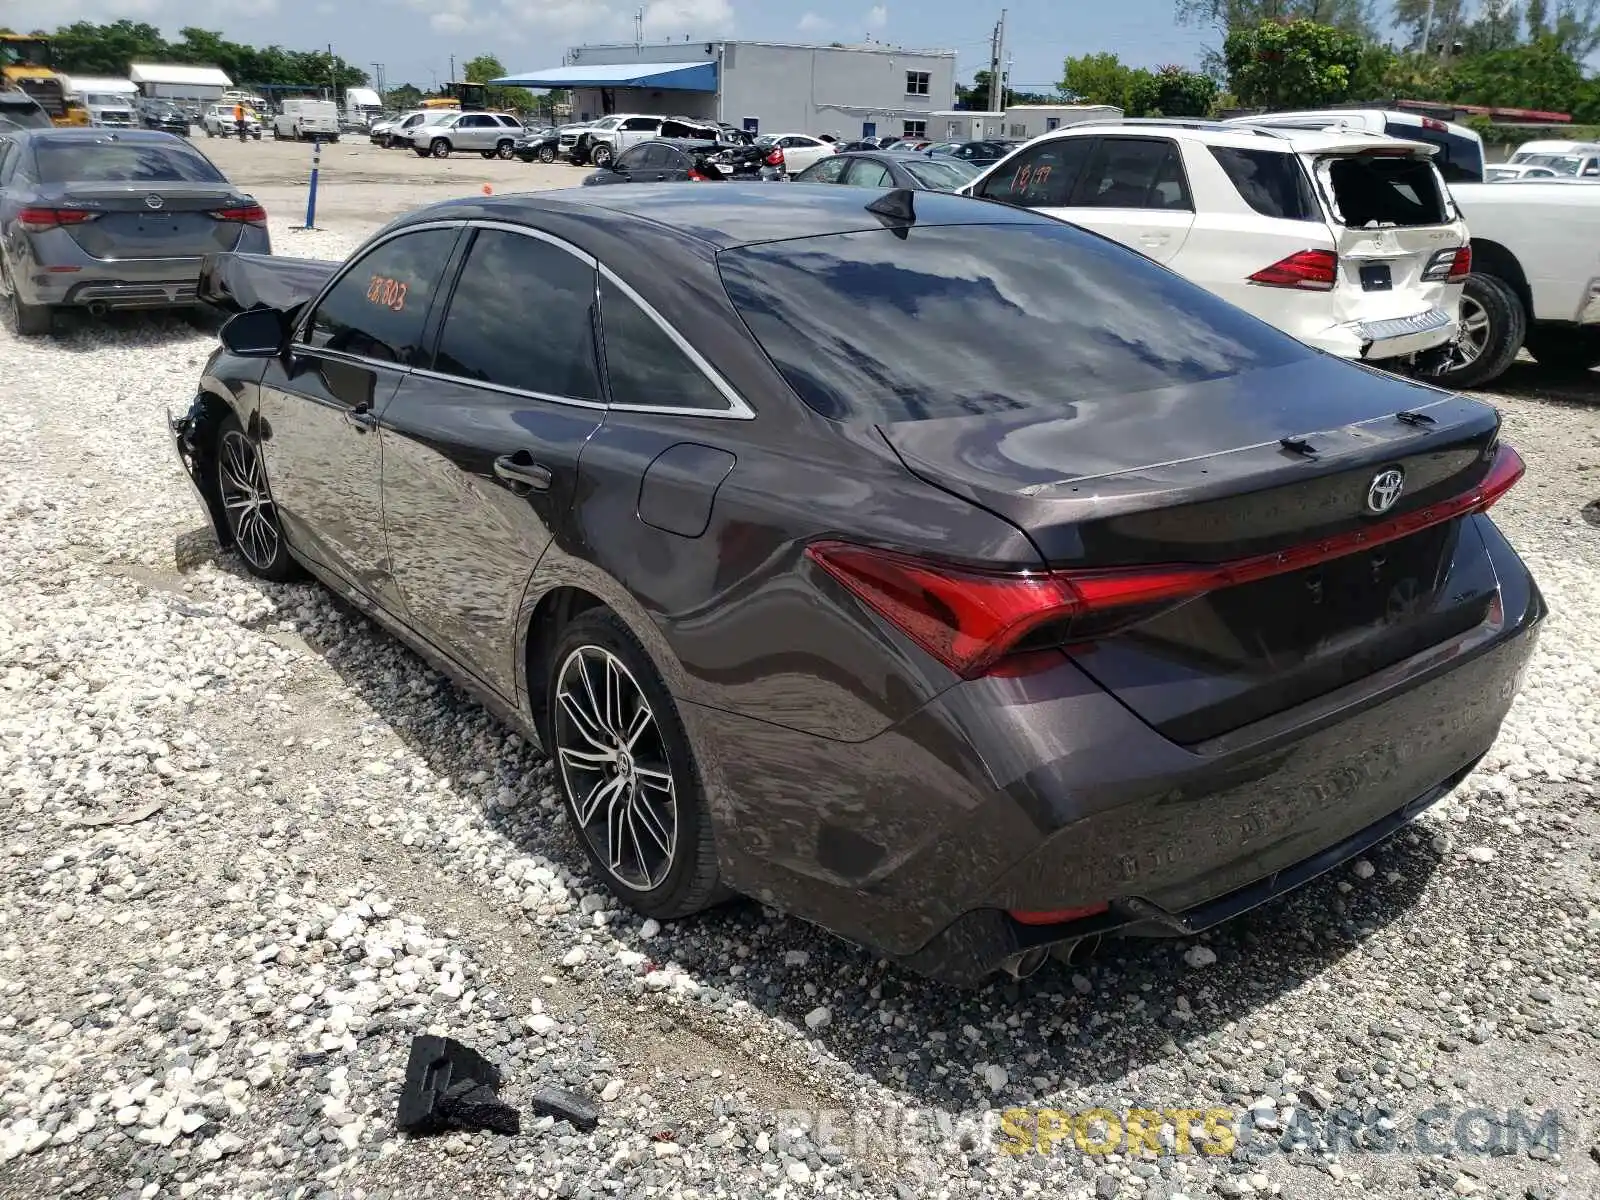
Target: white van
<point>307,120</point>
<point>1580,159</point>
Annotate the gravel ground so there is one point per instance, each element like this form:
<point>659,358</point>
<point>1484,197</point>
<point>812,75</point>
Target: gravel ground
<point>252,846</point>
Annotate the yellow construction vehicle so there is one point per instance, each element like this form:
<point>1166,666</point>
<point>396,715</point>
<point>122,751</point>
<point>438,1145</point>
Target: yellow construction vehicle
<point>27,66</point>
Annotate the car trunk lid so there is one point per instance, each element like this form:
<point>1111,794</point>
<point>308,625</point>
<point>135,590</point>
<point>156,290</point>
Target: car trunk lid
<point>1236,504</point>
<point>165,219</point>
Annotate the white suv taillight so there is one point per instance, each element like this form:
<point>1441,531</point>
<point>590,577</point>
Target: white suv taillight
<point>1448,265</point>
<point>1308,270</point>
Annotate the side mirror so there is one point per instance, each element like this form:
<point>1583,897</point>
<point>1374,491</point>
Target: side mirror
<point>256,333</point>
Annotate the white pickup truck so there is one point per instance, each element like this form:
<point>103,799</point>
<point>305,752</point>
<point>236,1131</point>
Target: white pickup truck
<point>1535,278</point>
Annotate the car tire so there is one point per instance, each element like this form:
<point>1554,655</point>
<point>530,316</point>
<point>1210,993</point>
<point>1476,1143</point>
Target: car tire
<point>246,501</point>
<point>1570,351</point>
<point>486,153</point>
<point>547,154</point>
<point>1493,326</point>
<point>208,132</point>
<point>673,815</point>
<point>505,148</point>
<point>439,148</point>
<point>420,151</point>
<point>600,156</point>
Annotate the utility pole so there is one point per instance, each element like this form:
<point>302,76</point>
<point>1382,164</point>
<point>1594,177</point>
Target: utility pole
<point>333,75</point>
<point>997,95</point>
<point>377,78</point>
<point>1427,28</point>
<point>638,30</point>
<point>452,72</point>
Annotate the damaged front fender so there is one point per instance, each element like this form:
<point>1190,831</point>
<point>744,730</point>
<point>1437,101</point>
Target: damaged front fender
<point>194,438</point>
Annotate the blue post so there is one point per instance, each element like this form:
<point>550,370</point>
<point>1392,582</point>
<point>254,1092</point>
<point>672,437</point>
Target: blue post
<point>311,196</point>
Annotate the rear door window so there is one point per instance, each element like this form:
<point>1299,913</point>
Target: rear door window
<point>1042,177</point>
<point>1271,182</point>
<point>1134,173</point>
<point>828,170</point>
<point>866,173</point>
<point>1380,190</point>
<point>378,307</point>
<point>1460,159</point>
<point>895,326</point>
<point>521,317</point>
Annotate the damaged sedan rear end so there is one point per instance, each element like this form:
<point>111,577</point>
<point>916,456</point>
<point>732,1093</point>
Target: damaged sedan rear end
<point>979,588</point>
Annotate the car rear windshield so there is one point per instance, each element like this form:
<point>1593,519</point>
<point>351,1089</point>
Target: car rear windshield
<point>1270,181</point>
<point>943,175</point>
<point>959,320</point>
<point>1377,190</point>
<point>1460,159</point>
<point>105,161</point>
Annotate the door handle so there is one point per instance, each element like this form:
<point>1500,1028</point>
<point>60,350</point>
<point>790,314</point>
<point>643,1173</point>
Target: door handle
<point>1155,239</point>
<point>361,418</point>
<point>520,471</point>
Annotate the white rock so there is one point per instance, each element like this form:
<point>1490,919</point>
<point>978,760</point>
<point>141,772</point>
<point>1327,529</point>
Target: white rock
<point>541,1024</point>
<point>612,1090</point>
<point>1200,956</point>
<point>650,928</point>
<point>995,1077</point>
<point>818,1017</point>
<point>1480,854</point>
<point>668,1149</point>
<point>1363,869</point>
<point>798,1173</point>
<point>574,958</point>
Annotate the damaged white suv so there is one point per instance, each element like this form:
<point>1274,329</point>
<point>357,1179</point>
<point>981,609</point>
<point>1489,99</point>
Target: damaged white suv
<point>1348,241</point>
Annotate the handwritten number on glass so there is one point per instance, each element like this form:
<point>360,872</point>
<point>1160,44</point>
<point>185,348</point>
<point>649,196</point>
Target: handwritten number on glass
<point>391,293</point>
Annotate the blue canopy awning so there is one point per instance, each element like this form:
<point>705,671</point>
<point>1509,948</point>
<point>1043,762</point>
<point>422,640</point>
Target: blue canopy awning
<point>676,77</point>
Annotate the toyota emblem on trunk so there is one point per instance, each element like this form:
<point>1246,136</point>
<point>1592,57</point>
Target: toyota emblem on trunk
<point>153,201</point>
<point>1385,489</point>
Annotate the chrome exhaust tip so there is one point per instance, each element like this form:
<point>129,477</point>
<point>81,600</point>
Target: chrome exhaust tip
<point>1020,966</point>
<point>1076,951</point>
<point>97,308</point>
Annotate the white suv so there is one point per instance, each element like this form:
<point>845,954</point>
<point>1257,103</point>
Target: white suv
<point>1348,241</point>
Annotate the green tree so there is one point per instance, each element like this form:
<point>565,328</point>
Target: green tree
<point>1097,79</point>
<point>1181,93</point>
<point>483,68</point>
<point>89,49</point>
<point>1228,16</point>
<point>1298,64</point>
<point>1539,75</point>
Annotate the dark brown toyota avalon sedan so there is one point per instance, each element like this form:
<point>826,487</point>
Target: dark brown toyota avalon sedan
<point>938,572</point>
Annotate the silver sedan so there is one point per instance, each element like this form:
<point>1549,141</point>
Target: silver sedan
<point>98,219</point>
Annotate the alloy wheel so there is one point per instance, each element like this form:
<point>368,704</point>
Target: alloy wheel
<point>613,761</point>
<point>247,502</point>
<point>1474,335</point>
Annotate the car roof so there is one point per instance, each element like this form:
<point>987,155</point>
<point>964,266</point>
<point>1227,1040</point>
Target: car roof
<point>731,215</point>
<point>86,133</point>
<point>1242,136</point>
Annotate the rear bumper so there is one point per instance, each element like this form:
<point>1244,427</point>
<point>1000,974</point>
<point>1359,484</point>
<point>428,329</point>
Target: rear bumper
<point>61,274</point>
<point>1043,793</point>
<point>1394,337</point>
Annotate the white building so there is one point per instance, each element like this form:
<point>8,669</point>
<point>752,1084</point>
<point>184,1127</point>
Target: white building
<point>201,84</point>
<point>765,87</point>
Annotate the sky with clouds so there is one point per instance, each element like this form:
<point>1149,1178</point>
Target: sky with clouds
<point>414,38</point>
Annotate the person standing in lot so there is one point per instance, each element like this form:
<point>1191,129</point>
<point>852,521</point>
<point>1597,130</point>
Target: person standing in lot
<point>238,120</point>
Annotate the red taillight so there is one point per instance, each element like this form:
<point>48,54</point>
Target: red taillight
<point>775,157</point>
<point>247,214</point>
<point>37,220</point>
<point>970,619</point>
<point>697,176</point>
<point>1057,916</point>
<point>1449,264</point>
<point>1309,270</point>
<point>1436,125</point>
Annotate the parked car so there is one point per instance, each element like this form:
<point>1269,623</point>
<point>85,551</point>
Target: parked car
<point>543,145</point>
<point>679,161</point>
<point>979,154</point>
<point>880,169</point>
<point>1535,281</point>
<point>1348,241</point>
<point>302,120</point>
<point>1501,172</point>
<point>163,116</point>
<point>399,133</point>
<point>605,142</point>
<point>1564,158</point>
<point>800,150</point>
<point>493,135</point>
<point>828,553</point>
<point>18,110</point>
<point>94,220</point>
<point>219,121</point>
<point>1460,156</point>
